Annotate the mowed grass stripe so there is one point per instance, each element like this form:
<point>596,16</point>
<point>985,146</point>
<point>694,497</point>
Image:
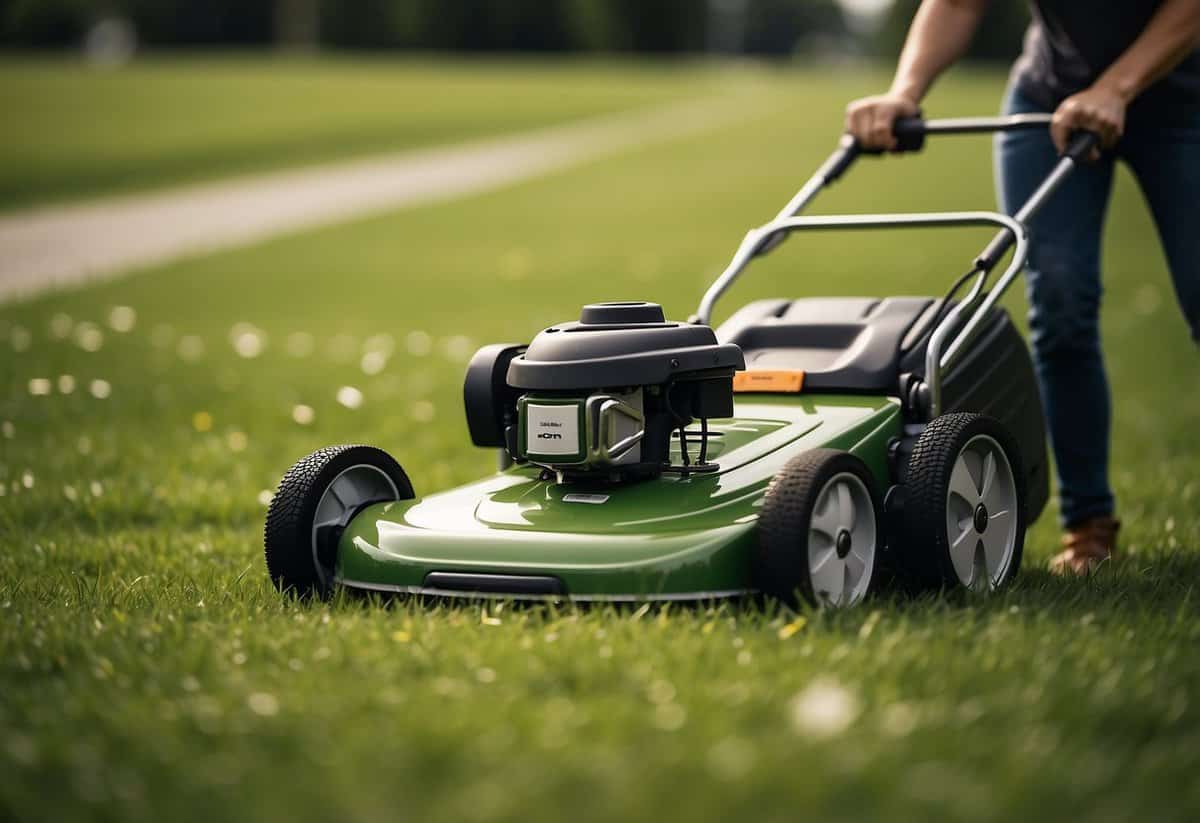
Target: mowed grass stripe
<point>72,131</point>
<point>57,247</point>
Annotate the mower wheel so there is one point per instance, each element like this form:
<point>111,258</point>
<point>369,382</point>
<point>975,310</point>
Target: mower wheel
<point>964,513</point>
<point>316,499</point>
<point>820,531</point>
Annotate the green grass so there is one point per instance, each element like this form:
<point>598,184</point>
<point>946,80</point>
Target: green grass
<point>148,671</point>
<point>71,130</point>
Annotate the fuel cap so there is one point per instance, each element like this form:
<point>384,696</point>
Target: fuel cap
<point>626,313</point>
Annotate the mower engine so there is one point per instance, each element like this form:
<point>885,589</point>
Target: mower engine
<point>602,398</point>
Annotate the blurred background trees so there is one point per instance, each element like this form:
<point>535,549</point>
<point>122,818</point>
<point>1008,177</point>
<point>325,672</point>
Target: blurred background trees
<point>759,27</point>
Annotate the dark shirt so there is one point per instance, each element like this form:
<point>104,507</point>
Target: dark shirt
<point>1070,43</point>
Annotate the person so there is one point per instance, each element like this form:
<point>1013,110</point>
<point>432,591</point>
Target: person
<point>1128,70</point>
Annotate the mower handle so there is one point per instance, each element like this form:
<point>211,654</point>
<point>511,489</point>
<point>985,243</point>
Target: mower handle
<point>909,129</point>
<point>910,134</point>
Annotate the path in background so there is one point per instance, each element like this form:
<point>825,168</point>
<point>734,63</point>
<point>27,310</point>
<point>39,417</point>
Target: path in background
<point>58,246</point>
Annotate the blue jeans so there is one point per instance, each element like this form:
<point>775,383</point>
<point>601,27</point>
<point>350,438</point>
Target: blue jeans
<point>1063,281</point>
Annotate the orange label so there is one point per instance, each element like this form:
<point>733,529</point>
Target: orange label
<point>769,380</point>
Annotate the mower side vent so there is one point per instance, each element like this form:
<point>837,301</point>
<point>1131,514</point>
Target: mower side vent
<point>504,584</point>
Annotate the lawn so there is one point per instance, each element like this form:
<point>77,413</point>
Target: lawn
<point>148,671</point>
<point>72,130</point>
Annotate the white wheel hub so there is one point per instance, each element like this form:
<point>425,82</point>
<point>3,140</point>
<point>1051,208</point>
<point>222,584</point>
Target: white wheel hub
<point>981,514</point>
<point>841,541</point>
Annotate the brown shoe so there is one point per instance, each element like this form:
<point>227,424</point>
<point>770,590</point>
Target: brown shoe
<point>1085,546</point>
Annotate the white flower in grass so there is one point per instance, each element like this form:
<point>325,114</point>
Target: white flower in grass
<point>89,337</point>
<point>302,414</point>
<point>66,383</point>
<point>61,325</point>
<point>824,709</point>
<point>418,343</point>
<point>263,704</point>
<point>122,319</point>
<point>384,343</point>
<point>237,441</point>
<point>669,717</point>
<point>350,397</point>
<point>373,362</point>
<point>247,340</point>
<point>100,389</point>
<point>39,387</point>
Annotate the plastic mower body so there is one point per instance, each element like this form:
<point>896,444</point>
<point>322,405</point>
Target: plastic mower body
<point>671,537</point>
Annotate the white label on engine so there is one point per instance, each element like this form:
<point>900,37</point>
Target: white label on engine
<point>552,430</point>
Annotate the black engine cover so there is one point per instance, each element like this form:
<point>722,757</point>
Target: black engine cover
<point>620,344</point>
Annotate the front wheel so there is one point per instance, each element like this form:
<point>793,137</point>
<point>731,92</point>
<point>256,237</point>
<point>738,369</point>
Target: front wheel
<point>965,508</point>
<point>819,531</point>
<point>316,500</point>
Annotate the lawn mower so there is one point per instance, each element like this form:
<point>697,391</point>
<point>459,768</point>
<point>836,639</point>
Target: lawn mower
<point>807,449</point>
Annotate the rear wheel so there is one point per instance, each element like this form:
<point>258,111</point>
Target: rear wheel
<point>965,507</point>
<point>316,500</point>
<point>819,531</point>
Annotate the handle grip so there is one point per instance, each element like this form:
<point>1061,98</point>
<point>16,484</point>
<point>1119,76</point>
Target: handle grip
<point>909,133</point>
<point>1081,144</point>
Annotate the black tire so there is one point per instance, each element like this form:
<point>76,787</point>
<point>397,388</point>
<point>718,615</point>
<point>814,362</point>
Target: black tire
<point>299,559</point>
<point>782,566</point>
<point>925,547</point>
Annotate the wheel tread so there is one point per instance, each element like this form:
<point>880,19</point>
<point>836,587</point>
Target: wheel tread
<point>925,547</point>
<point>287,531</point>
<point>785,515</point>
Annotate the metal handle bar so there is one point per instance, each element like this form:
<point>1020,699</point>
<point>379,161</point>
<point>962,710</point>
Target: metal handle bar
<point>910,135</point>
<point>910,131</point>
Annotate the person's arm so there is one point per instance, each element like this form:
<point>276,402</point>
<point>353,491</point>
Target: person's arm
<point>940,33</point>
<point>1170,36</point>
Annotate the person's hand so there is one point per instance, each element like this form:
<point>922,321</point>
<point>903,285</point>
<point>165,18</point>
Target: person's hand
<point>870,119</point>
<point>1094,109</point>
